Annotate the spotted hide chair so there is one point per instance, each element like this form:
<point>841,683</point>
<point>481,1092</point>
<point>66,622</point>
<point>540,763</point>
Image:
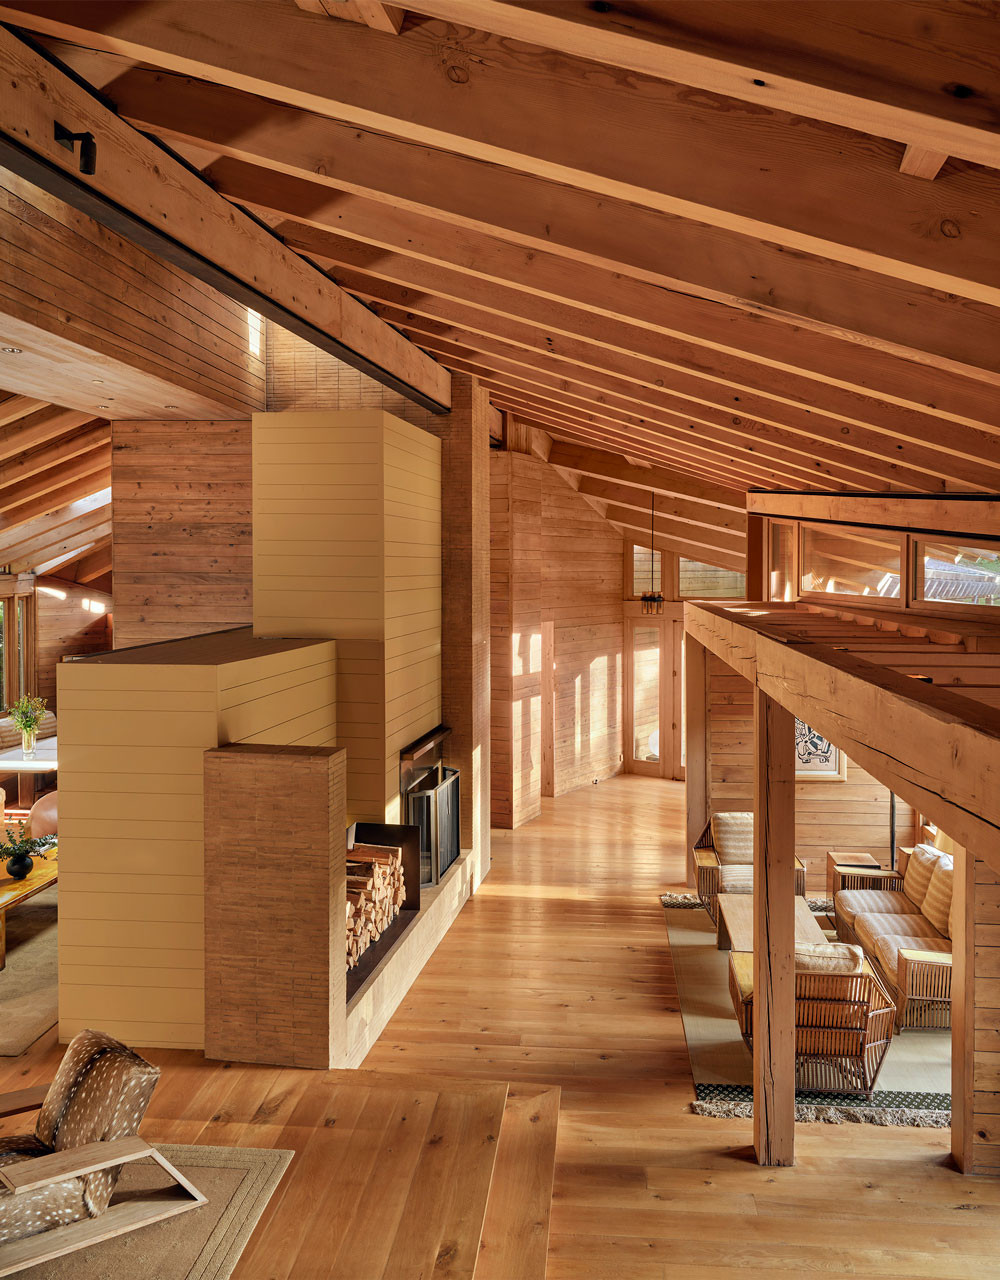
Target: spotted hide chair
<point>57,1183</point>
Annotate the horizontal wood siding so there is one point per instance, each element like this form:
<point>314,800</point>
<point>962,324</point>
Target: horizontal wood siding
<point>347,545</point>
<point>843,815</point>
<point>133,730</point>
<point>71,278</point>
<point>180,501</point>
<point>69,620</point>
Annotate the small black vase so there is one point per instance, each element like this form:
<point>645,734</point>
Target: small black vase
<point>20,865</point>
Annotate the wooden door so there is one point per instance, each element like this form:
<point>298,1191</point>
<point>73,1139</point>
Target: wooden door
<point>653,696</point>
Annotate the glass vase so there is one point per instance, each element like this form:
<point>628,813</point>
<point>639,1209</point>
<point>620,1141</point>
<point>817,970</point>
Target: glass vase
<point>28,739</point>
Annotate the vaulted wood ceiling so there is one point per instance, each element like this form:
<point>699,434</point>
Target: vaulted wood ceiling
<point>654,230</point>
<point>55,470</point>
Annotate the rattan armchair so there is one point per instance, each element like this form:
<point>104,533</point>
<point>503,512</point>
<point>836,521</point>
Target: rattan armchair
<point>717,873</point>
<point>843,1025</point>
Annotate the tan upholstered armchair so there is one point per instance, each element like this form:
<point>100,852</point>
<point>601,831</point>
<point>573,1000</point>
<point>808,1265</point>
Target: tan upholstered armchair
<point>56,1183</point>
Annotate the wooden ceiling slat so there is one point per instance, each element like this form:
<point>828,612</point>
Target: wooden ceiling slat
<point>673,508</point>
<point>95,564</point>
<point>14,407</point>
<point>680,546</point>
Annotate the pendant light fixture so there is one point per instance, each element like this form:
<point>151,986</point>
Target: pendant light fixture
<point>652,600</point>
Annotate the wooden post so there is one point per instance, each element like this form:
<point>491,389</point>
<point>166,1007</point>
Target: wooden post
<point>696,738</point>
<point>774,932</point>
<point>963,1009</point>
<point>757,577</point>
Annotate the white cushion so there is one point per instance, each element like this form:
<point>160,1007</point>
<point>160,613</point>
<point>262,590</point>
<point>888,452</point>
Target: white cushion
<point>828,957</point>
<point>937,902</point>
<point>732,837</point>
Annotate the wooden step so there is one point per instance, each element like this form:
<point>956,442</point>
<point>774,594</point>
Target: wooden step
<point>515,1238</point>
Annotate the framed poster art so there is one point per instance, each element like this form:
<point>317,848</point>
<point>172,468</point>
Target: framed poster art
<point>816,758</point>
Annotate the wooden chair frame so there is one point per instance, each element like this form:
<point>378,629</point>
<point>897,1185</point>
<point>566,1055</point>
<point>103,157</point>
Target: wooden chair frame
<point>843,1029</point>
<point>116,1220</point>
<point>708,871</point>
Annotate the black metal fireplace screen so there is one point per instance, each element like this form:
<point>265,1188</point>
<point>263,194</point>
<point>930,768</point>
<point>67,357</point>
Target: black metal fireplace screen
<point>431,800</point>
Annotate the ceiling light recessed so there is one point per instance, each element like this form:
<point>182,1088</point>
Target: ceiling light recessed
<point>98,382</point>
<point>11,351</point>
<point>171,406</point>
<point>104,406</point>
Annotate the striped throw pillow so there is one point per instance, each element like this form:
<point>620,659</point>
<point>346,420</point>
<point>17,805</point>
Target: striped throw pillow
<point>937,903</point>
<point>919,870</point>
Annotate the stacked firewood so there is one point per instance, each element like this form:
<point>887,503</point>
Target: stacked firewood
<point>375,893</point>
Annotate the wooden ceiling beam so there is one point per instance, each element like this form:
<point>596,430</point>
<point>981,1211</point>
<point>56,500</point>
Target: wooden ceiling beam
<point>39,428</point>
<point>30,509</point>
<point>25,465</point>
<point>729,455</point>
<point>673,508</point>
<point>902,72</point>
<point>386,276</point>
<point>662,480</point>
<point>79,469</point>
<point>864,306</point>
<point>918,162</point>
<point>703,400</point>
<point>682,547</point>
<point>73,551</point>
<point>490,357</point>
<point>95,564</point>
<point>13,407</point>
<point>810,458</point>
<point>549,218</point>
<point>697,536</point>
<point>38,541</point>
<point>370,13</point>
<point>638,139</point>
<point>143,192</point>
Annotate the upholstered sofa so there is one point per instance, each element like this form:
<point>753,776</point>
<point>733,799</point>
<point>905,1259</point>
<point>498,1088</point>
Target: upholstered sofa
<point>905,932</point>
<point>723,859</point>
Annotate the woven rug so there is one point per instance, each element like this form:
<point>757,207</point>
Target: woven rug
<point>691,901</point>
<point>28,990</point>
<point>203,1244</point>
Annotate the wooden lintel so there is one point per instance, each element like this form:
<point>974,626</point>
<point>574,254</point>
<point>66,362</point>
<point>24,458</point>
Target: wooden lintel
<point>141,191</point>
<point>774,932</point>
<point>960,514</point>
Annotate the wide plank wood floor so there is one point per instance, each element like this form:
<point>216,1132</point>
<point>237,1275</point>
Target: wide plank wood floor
<point>558,972</point>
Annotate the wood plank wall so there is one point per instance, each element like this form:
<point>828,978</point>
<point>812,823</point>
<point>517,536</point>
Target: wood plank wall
<point>516,638</point>
<point>347,546</point>
<point>582,590</point>
<point>845,815</point>
<point>100,295</point>
<point>984,1031</point>
<point>133,729</point>
<point>66,625</point>
<point>180,509</point>
<point>556,599</point>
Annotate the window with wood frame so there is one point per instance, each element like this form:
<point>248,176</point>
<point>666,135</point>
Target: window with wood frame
<point>835,560</point>
<point>960,574</point>
<point>698,581</point>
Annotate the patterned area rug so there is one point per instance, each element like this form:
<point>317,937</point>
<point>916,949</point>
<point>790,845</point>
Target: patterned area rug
<point>888,1106</point>
<point>204,1244</point>
<point>691,902</point>
<point>28,994</point>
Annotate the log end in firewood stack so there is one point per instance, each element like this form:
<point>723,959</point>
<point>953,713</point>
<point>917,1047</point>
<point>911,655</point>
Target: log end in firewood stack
<point>375,893</point>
